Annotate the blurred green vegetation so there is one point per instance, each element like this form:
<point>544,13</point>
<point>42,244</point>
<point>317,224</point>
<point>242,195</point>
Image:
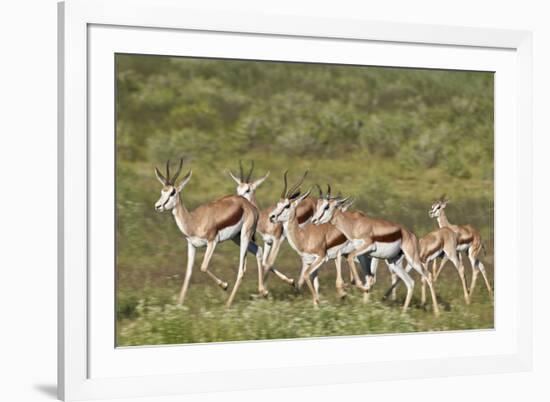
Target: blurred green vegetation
<point>395,139</point>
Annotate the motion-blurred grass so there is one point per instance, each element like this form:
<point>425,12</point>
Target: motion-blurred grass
<point>393,138</point>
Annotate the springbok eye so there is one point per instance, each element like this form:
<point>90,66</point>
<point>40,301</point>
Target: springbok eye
<point>173,193</point>
<point>287,206</point>
<point>326,207</point>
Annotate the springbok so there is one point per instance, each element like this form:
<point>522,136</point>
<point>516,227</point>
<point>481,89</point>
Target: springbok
<point>440,243</point>
<point>272,233</point>
<point>207,225</point>
<point>368,265</point>
<point>468,240</point>
<point>377,238</point>
<point>315,244</point>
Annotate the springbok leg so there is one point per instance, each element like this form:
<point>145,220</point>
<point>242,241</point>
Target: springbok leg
<point>191,252</point>
<point>210,247</point>
<point>242,266</point>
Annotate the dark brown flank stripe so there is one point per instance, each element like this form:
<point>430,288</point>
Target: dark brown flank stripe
<point>464,240</point>
<point>429,252</point>
<point>388,238</point>
<point>308,213</point>
<point>336,240</point>
<point>231,219</point>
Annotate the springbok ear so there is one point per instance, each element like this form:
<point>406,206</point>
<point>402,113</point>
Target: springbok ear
<point>341,202</point>
<point>184,181</point>
<point>302,197</point>
<point>230,173</point>
<point>347,204</point>
<point>160,177</point>
<point>257,183</point>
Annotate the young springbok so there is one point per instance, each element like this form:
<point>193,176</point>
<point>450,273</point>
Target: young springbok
<point>468,240</point>
<point>272,233</point>
<point>315,244</point>
<point>377,238</point>
<point>440,243</point>
<point>207,225</point>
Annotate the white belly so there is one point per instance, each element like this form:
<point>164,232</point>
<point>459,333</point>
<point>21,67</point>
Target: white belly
<point>197,241</point>
<point>348,247</point>
<point>268,239</point>
<point>386,250</point>
<point>332,253</point>
<point>463,247</point>
<point>308,258</point>
<point>433,256</point>
<point>230,231</point>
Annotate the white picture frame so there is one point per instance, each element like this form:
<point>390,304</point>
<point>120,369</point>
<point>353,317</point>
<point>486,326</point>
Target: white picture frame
<point>90,32</point>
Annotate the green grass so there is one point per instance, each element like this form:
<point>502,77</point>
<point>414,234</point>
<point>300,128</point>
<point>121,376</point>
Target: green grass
<point>156,319</point>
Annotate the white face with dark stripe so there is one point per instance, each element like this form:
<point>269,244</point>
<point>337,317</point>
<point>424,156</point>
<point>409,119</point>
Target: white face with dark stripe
<point>245,190</point>
<point>281,213</point>
<point>436,209</point>
<point>324,210</point>
<point>286,206</point>
<point>167,198</point>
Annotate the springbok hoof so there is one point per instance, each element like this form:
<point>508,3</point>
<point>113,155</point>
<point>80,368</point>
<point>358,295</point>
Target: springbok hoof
<point>224,285</point>
<point>264,293</point>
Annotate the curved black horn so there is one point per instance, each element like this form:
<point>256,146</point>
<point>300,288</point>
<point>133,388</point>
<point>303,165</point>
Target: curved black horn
<point>298,184</point>
<point>168,170</point>
<point>161,176</point>
<point>328,190</point>
<point>250,172</point>
<point>320,190</point>
<point>177,172</point>
<point>283,194</point>
<point>241,174</point>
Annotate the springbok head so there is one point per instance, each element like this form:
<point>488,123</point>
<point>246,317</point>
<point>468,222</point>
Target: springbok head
<point>245,185</point>
<point>170,191</point>
<point>438,206</point>
<point>327,204</point>
<point>290,198</point>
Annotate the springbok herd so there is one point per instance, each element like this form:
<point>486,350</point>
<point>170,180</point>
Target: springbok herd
<point>318,229</point>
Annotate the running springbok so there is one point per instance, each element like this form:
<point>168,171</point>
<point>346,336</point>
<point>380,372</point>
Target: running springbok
<point>272,233</point>
<point>440,243</point>
<point>377,238</point>
<point>468,240</point>
<point>315,244</point>
<point>208,225</point>
<point>368,265</point>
